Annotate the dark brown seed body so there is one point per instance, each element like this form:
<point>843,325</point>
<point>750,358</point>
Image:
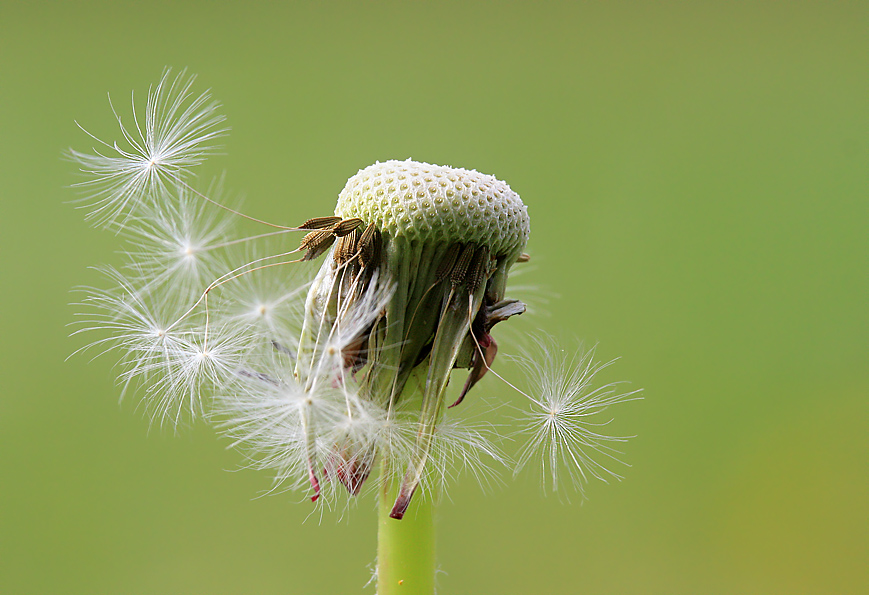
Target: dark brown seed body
<point>316,243</point>
<point>369,246</point>
<point>448,262</point>
<point>342,228</point>
<point>478,272</point>
<point>320,222</point>
<point>460,270</point>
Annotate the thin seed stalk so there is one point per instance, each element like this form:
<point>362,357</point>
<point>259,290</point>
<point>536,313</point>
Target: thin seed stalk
<point>405,548</point>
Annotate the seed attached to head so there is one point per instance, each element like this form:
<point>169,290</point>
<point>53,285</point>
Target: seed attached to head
<point>344,227</point>
<point>316,243</point>
<point>369,245</point>
<point>448,262</point>
<point>460,269</point>
<point>320,222</point>
<point>346,247</point>
<point>477,272</point>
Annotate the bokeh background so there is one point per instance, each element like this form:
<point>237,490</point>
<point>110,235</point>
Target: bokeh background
<point>697,179</point>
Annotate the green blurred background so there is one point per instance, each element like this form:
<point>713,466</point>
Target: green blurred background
<point>697,179</point>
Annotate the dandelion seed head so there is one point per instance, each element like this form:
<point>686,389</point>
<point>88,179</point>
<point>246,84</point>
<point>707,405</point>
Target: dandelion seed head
<point>325,376</point>
<point>438,243</point>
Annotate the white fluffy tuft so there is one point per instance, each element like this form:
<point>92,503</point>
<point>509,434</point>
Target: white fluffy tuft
<point>563,416</point>
<point>178,133</point>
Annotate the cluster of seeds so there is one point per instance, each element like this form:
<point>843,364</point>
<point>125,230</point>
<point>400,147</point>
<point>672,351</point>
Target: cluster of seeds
<point>351,242</point>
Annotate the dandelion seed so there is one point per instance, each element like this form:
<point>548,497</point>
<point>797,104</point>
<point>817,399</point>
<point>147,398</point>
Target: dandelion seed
<point>194,369</point>
<point>139,331</point>
<point>177,243</point>
<point>178,133</point>
<point>563,416</point>
<point>269,305</point>
<point>170,359</point>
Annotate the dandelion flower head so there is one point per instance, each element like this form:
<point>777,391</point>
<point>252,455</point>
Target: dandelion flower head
<point>322,377</point>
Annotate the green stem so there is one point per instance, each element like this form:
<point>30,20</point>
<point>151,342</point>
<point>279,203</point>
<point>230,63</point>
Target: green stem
<point>405,548</point>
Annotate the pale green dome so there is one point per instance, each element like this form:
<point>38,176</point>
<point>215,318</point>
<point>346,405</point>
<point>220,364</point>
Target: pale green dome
<point>420,201</point>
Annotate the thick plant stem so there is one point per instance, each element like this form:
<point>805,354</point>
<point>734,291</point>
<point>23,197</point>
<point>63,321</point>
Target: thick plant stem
<point>405,548</point>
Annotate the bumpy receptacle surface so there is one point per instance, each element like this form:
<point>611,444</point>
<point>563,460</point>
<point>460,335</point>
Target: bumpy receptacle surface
<point>428,202</point>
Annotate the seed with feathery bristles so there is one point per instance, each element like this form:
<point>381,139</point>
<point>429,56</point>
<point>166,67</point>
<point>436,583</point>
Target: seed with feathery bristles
<point>179,132</point>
